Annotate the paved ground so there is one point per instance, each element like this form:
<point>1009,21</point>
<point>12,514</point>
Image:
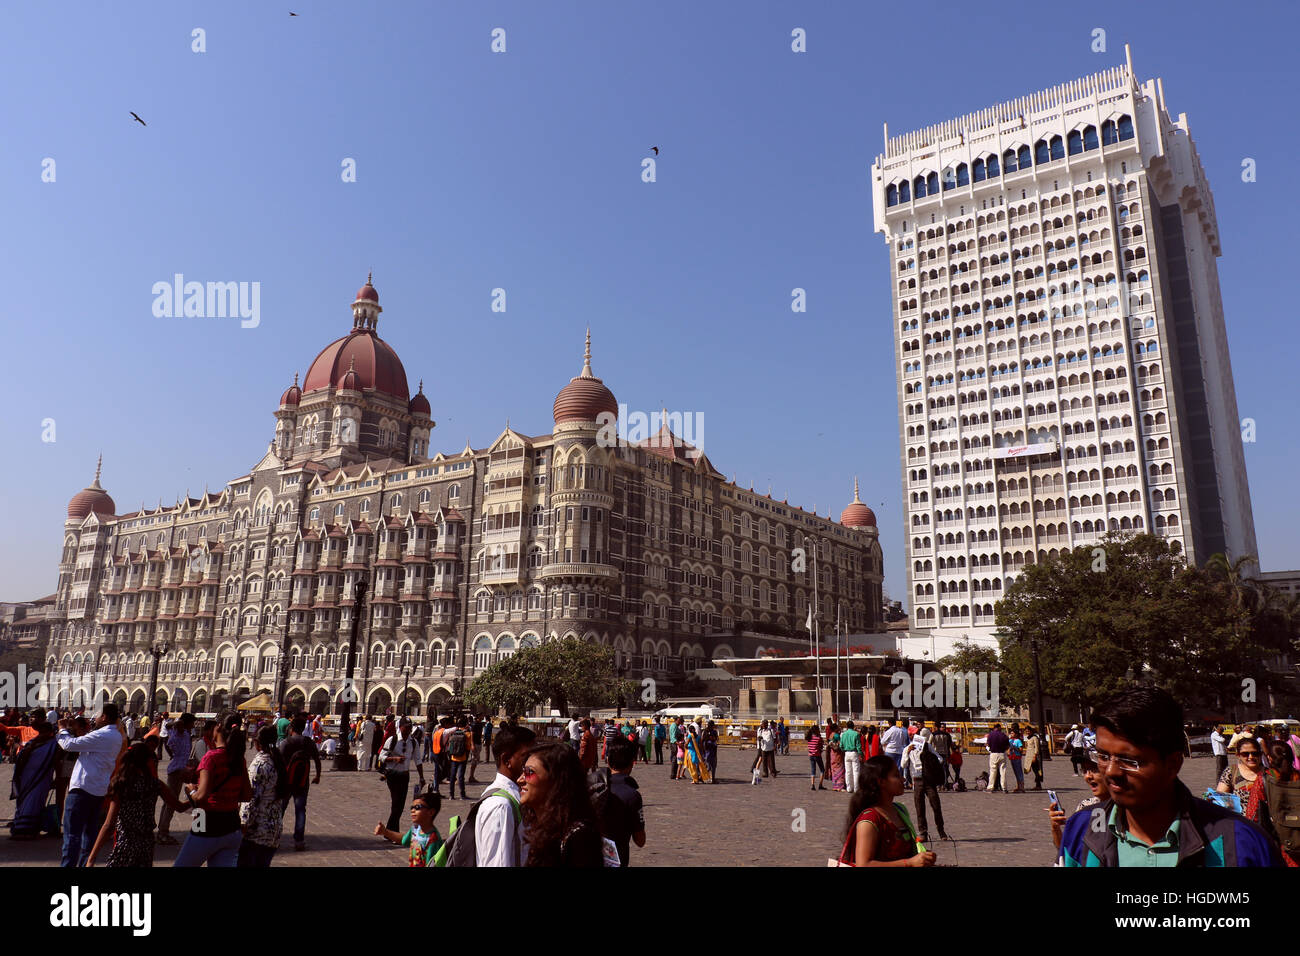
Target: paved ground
<point>730,823</point>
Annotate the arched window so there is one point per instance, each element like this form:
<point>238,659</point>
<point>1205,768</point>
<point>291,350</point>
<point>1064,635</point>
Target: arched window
<point>1041,152</point>
<point>904,192</point>
<point>993,167</point>
<point>979,170</point>
<point>1023,158</point>
<point>1109,134</point>
<point>891,195</point>
<point>1057,147</point>
<point>1126,127</point>
<point>1075,143</point>
<point>1090,137</point>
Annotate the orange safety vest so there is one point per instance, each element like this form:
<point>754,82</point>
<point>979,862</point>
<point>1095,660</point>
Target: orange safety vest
<point>437,740</point>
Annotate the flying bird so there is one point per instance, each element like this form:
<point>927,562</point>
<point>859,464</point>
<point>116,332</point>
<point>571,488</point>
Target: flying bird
<point>292,14</point>
<point>656,149</point>
<point>137,119</point>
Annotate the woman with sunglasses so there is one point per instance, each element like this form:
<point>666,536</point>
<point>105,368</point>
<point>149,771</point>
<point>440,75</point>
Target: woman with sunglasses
<point>560,821</point>
<point>1246,780</point>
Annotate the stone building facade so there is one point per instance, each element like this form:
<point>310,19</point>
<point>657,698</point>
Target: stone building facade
<point>640,545</point>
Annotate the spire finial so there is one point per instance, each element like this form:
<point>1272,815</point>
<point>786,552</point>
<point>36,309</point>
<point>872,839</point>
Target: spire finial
<point>586,357</point>
<point>421,386</point>
<point>370,278</point>
<point>352,364</point>
<point>855,489</point>
<point>295,379</point>
<point>98,465</point>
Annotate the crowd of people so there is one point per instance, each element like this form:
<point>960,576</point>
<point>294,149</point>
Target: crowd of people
<point>572,800</point>
<point>1139,812</point>
<point>97,785</point>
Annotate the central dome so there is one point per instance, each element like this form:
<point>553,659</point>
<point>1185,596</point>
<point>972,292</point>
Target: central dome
<point>585,397</point>
<point>369,357</point>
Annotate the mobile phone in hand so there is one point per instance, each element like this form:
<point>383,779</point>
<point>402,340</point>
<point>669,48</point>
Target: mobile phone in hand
<point>1051,795</point>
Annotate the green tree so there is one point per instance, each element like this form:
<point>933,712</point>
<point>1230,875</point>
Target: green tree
<point>1128,609</point>
<point>968,657</point>
<point>568,673</point>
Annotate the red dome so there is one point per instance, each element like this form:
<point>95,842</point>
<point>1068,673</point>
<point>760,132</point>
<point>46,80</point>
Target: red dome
<point>374,362</point>
<point>367,291</point>
<point>585,397</point>
<point>351,382</point>
<point>419,404</point>
<point>90,499</point>
<point>858,515</point>
<point>293,394</point>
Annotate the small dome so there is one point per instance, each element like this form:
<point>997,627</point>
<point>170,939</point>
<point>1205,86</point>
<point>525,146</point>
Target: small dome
<point>293,394</point>
<point>94,498</point>
<point>419,404</point>
<point>585,397</point>
<point>857,515</point>
<point>351,382</point>
<point>367,291</point>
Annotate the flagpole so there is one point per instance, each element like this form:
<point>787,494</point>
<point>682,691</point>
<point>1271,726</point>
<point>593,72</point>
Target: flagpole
<point>817,631</point>
<point>836,706</point>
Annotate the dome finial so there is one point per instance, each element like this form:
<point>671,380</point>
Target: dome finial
<point>421,386</point>
<point>98,465</point>
<point>586,357</point>
<point>370,278</point>
<point>855,490</point>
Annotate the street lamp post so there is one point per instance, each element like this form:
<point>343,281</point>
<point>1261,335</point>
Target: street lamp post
<point>158,651</point>
<point>406,689</point>
<point>344,760</point>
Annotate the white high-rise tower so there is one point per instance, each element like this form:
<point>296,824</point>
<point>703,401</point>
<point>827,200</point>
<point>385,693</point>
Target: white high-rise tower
<point>1062,360</point>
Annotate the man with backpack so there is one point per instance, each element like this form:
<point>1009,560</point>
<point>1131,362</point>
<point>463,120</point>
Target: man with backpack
<point>298,752</point>
<point>941,741</point>
<point>492,832</point>
<point>456,744</point>
<point>617,800</point>
<point>927,777</point>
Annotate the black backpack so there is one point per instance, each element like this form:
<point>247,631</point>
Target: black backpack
<point>461,848</point>
<point>456,746</point>
<point>931,768</point>
<point>598,786</point>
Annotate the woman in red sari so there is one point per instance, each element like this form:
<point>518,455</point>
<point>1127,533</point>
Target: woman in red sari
<point>879,831</point>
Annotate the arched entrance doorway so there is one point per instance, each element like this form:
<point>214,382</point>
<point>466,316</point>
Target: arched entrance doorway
<point>438,698</point>
<point>160,701</point>
<point>380,701</point>
<point>200,702</point>
<point>120,700</point>
<point>411,702</point>
<point>137,703</point>
<point>180,700</point>
<point>219,700</point>
<point>296,700</point>
<point>320,702</point>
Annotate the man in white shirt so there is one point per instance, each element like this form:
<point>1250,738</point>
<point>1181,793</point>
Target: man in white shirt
<point>1077,741</point>
<point>498,830</point>
<point>130,727</point>
<point>365,741</point>
<point>893,742</point>
<point>1219,746</point>
<point>575,733</point>
<point>98,752</point>
<point>400,754</point>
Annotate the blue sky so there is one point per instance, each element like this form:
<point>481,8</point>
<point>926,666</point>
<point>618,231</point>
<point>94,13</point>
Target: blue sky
<point>521,171</point>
